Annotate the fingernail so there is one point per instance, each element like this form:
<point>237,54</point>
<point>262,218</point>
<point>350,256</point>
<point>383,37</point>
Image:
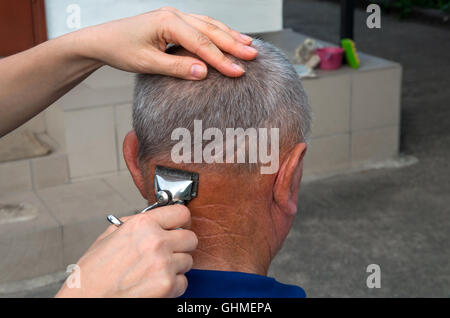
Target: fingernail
<point>238,68</point>
<point>251,49</point>
<point>246,37</point>
<point>198,71</point>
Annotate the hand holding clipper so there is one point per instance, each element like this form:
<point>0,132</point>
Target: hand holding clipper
<point>145,257</point>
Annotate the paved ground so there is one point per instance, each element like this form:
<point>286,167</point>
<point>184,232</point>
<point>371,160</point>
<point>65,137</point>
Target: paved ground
<point>399,219</point>
<point>396,218</point>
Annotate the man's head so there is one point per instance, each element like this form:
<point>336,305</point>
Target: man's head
<point>183,124</point>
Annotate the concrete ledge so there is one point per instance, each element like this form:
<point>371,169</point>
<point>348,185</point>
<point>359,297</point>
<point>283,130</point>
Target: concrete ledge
<point>371,145</point>
<point>35,173</point>
<point>16,289</point>
<point>30,248</point>
<point>327,154</point>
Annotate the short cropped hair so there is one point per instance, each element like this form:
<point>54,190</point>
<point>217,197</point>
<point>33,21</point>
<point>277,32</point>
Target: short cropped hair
<point>269,95</point>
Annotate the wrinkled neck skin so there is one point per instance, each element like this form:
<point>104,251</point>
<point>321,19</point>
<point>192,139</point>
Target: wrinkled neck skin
<point>234,226</point>
<point>232,243</point>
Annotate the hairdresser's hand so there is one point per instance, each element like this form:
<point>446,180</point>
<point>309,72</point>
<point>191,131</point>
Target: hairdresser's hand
<point>137,44</point>
<point>145,257</point>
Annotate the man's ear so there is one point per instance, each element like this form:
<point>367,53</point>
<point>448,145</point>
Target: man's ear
<point>287,183</point>
<point>130,154</point>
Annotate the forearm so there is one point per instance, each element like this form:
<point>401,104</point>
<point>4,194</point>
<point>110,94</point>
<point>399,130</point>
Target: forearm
<point>32,80</point>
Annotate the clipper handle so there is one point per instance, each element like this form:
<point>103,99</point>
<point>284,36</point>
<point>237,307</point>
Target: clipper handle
<point>163,198</point>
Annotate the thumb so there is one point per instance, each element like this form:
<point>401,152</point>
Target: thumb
<point>184,67</point>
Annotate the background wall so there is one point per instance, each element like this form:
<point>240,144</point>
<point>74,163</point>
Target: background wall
<point>246,16</point>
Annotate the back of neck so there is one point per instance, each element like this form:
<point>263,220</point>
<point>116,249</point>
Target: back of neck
<point>232,238</point>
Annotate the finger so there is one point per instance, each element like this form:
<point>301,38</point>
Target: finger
<point>182,241</point>
<point>235,34</point>
<point>110,229</point>
<point>222,39</point>
<point>247,40</point>
<point>171,217</point>
<point>181,284</point>
<point>182,263</point>
<point>184,67</point>
<point>180,32</point>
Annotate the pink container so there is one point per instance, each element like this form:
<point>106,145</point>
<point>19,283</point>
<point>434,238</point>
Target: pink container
<point>330,57</point>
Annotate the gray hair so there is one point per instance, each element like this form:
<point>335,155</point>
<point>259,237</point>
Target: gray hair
<point>269,95</point>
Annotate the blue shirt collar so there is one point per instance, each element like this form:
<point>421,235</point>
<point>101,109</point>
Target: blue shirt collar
<point>223,284</point>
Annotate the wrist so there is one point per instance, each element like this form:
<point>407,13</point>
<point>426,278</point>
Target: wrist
<point>83,47</point>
